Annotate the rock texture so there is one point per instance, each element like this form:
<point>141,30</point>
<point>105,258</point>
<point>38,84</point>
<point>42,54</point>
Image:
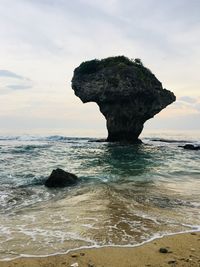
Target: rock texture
<point>128,94</point>
<point>61,178</point>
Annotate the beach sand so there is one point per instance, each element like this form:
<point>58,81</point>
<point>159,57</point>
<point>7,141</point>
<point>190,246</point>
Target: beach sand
<point>182,250</point>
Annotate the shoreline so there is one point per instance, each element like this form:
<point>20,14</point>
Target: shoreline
<point>182,249</point>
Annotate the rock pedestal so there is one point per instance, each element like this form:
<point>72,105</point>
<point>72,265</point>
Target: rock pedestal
<point>128,94</point>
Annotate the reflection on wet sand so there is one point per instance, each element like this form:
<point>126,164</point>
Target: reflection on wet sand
<point>105,214</point>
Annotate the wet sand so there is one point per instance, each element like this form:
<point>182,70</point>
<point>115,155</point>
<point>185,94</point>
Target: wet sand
<point>179,250</point>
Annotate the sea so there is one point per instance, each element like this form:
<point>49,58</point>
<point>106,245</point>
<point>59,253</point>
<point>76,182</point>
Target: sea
<point>127,194</point>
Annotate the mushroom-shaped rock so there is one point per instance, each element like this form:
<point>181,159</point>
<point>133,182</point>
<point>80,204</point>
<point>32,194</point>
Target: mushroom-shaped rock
<point>61,178</point>
<point>128,94</point>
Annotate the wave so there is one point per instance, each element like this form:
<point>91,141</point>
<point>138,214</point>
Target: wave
<point>175,141</point>
<point>44,138</point>
<point>29,148</point>
<point>62,138</point>
<point>33,138</point>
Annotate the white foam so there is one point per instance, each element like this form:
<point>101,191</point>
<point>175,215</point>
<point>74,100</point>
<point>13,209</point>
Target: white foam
<point>154,237</point>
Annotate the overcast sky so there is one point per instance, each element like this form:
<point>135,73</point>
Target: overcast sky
<point>42,41</point>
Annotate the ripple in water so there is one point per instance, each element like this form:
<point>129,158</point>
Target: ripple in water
<point>127,194</point>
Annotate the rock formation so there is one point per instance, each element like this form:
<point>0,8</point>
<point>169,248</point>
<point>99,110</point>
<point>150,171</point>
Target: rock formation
<point>127,93</point>
<point>191,147</point>
<point>61,178</point>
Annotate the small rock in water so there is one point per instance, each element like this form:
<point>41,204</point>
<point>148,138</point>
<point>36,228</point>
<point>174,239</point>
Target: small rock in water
<point>191,147</point>
<point>163,250</point>
<point>61,178</point>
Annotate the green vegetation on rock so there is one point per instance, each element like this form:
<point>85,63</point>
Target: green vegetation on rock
<point>95,65</point>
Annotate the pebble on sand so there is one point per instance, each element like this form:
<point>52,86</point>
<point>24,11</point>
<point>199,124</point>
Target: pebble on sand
<point>163,250</point>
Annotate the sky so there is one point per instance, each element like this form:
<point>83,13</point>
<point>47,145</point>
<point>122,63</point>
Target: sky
<point>42,41</point>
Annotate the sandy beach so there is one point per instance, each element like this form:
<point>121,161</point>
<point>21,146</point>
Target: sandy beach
<point>176,250</point>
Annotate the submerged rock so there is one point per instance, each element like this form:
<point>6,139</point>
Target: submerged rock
<point>128,94</point>
<point>61,178</point>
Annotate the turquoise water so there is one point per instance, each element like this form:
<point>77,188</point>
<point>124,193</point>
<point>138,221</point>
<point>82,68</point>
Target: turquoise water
<point>127,194</point>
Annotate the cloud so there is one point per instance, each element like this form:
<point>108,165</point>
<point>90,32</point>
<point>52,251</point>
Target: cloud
<point>13,81</point>
<point>19,86</point>
<point>164,34</point>
<point>10,74</point>
<point>188,99</point>
<point>179,122</point>
<point>186,105</point>
<point>197,106</point>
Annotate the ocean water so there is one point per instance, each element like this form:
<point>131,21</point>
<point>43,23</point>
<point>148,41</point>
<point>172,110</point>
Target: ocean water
<point>128,194</point>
